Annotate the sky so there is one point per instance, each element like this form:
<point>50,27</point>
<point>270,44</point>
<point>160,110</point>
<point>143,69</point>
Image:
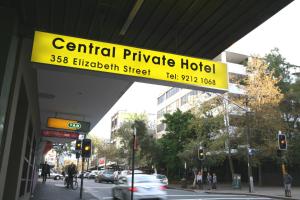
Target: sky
<point>281,31</point>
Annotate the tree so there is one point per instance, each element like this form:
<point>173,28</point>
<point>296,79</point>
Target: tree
<point>102,148</point>
<point>280,69</point>
<point>145,140</point>
<point>290,104</point>
<point>172,143</point>
<point>63,149</point>
<point>262,97</point>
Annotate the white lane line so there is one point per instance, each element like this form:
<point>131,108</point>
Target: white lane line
<point>201,195</point>
<point>228,198</point>
<point>106,197</point>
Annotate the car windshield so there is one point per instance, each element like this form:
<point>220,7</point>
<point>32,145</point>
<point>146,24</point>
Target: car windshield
<point>159,176</point>
<point>143,179</point>
<point>109,172</point>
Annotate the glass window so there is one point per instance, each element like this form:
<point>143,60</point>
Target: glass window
<point>184,99</point>
<point>161,99</point>
<point>171,92</point>
<point>161,113</point>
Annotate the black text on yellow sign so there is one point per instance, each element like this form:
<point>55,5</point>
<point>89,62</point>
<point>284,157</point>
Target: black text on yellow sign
<point>86,54</point>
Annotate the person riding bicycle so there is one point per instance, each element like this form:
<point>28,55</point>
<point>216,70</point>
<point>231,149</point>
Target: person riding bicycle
<point>72,171</point>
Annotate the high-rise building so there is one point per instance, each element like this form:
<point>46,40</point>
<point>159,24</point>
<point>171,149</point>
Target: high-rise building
<point>184,99</point>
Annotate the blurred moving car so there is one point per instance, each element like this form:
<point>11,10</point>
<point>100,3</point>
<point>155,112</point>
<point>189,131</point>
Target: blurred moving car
<point>145,187</point>
<point>107,176</point>
<point>162,178</point>
<point>93,174</point>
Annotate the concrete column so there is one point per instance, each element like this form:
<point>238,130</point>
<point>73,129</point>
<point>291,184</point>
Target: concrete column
<point>8,53</point>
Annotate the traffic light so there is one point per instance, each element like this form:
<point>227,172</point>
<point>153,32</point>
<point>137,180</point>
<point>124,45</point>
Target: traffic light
<point>86,148</point>
<point>282,143</point>
<point>200,154</point>
<point>78,145</point>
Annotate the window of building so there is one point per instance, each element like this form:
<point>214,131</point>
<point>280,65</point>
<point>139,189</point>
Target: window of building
<point>161,99</point>
<point>184,99</point>
<point>161,113</point>
<point>160,127</point>
<point>171,92</point>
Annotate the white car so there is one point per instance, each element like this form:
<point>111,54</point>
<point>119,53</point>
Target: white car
<point>55,175</point>
<point>162,178</point>
<point>145,187</point>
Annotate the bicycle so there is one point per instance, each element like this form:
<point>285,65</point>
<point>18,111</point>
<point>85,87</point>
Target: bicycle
<point>74,185</point>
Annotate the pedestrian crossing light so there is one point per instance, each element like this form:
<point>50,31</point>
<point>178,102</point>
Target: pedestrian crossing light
<point>200,154</point>
<point>282,143</point>
<point>78,145</point>
<point>86,148</point>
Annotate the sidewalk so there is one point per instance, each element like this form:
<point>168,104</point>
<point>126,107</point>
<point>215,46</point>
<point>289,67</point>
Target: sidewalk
<point>55,190</point>
<point>273,192</point>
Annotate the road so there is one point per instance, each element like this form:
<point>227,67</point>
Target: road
<point>102,191</point>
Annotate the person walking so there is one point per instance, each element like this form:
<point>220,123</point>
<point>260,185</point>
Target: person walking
<point>287,181</point>
<point>214,181</point>
<point>199,179</point>
<point>45,171</point>
<point>209,180</point>
<point>71,173</point>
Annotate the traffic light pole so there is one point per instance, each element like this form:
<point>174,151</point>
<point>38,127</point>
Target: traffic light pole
<point>250,177</point>
<point>132,166</point>
<point>82,169</point>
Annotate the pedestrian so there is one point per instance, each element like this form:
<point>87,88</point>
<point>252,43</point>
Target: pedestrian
<point>71,173</point>
<point>287,181</point>
<point>214,181</point>
<point>209,180</point>
<point>199,179</point>
<point>45,171</point>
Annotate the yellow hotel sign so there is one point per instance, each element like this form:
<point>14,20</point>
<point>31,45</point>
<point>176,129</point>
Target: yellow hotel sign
<point>92,55</point>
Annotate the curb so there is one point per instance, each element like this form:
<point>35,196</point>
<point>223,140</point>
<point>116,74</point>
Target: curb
<point>251,194</point>
<point>234,193</point>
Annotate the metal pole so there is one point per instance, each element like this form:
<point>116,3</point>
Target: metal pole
<point>250,177</point>
<point>132,171</point>
<point>82,169</point>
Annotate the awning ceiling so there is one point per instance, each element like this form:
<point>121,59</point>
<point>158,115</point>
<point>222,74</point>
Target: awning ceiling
<point>200,28</point>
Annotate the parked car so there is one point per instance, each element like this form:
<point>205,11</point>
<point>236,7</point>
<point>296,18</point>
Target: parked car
<point>162,178</point>
<point>106,176</point>
<point>93,174</point>
<point>145,187</point>
<point>55,176</point>
<point>86,174</point>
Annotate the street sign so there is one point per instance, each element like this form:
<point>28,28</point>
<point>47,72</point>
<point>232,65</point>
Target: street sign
<point>66,124</point>
<point>60,134</point>
<point>83,54</point>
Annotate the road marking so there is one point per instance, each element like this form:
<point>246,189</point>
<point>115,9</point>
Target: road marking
<point>106,197</point>
<point>195,195</point>
<point>229,198</point>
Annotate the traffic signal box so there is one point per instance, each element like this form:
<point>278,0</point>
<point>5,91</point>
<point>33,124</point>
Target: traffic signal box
<point>86,148</point>
<point>78,145</point>
<point>200,154</point>
<point>282,143</point>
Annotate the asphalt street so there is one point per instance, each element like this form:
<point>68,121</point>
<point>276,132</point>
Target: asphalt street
<point>102,191</point>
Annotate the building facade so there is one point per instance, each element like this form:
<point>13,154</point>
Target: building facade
<point>184,99</point>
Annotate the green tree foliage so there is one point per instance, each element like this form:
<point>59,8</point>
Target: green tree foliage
<point>262,98</point>
<point>101,148</point>
<point>280,69</point>
<point>208,124</point>
<point>145,141</point>
<point>178,134</point>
